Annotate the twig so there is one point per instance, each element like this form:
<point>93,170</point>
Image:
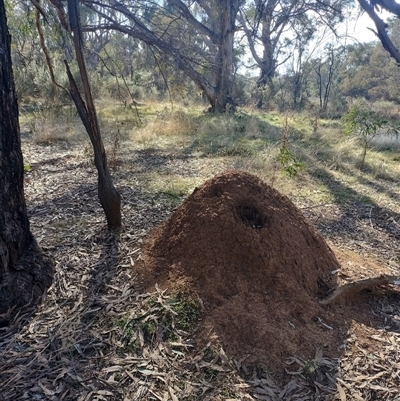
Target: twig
<point>320,205</point>
<point>324,324</point>
<point>370,213</point>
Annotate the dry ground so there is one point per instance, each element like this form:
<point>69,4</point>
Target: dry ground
<point>95,335</point>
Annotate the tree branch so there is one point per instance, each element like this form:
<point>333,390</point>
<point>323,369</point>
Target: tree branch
<point>193,21</point>
<point>141,32</point>
<point>389,5</point>
<point>381,29</point>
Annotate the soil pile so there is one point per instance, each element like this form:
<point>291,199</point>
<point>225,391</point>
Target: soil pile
<point>257,265</point>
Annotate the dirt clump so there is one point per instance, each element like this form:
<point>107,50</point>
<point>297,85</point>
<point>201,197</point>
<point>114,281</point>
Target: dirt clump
<point>259,268</point>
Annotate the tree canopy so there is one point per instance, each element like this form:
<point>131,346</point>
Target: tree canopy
<point>284,53</point>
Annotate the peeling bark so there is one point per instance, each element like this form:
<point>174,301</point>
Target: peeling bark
<point>109,197</point>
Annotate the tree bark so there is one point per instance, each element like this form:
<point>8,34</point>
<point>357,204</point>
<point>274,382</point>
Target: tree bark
<point>391,6</point>
<point>347,290</point>
<point>224,60</point>
<point>109,197</point>
<point>25,272</point>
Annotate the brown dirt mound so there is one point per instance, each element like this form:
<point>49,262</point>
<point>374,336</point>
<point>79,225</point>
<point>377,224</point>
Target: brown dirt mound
<point>256,264</point>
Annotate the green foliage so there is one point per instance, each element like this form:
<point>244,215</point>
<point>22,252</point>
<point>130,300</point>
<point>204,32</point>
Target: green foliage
<point>366,124</point>
<point>165,318</point>
<point>359,120</point>
<point>122,67</point>
<point>354,69</point>
<point>291,165</point>
<point>368,71</point>
<point>188,312</point>
<point>310,368</point>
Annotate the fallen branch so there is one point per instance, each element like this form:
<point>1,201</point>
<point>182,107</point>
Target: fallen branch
<point>359,285</point>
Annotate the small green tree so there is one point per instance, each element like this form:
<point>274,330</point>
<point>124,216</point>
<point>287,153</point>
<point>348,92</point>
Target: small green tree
<point>366,124</point>
<point>290,163</point>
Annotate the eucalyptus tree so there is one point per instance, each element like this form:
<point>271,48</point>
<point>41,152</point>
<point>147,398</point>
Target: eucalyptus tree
<point>389,36</point>
<point>293,85</point>
<point>299,60</point>
<point>273,29</point>
<point>25,271</point>
<point>368,71</point>
<point>195,36</point>
<point>327,72</point>
<point>68,39</point>
<point>354,69</point>
<point>27,60</point>
<point>109,197</point>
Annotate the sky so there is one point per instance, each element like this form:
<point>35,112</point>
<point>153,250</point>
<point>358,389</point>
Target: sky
<point>359,29</point>
<point>354,30</point>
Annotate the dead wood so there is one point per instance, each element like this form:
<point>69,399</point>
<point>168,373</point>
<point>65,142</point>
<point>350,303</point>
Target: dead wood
<point>360,285</point>
<point>134,102</point>
<point>109,197</point>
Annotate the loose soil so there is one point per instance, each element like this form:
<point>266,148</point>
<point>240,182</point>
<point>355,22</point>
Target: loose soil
<point>258,268</point>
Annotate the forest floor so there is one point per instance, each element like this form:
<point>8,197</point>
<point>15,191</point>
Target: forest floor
<point>95,335</point>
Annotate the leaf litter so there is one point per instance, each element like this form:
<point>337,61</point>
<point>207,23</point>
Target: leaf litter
<point>82,342</point>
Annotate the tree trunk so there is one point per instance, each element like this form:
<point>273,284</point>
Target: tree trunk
<point>224,59</point>
<point>268,63</point>
<point>25,272</point>
<point>265,11</point>
<point>219,90</point>
<point>109,197</point>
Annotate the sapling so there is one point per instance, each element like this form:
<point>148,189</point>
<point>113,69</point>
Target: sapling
<point>366,124</point>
